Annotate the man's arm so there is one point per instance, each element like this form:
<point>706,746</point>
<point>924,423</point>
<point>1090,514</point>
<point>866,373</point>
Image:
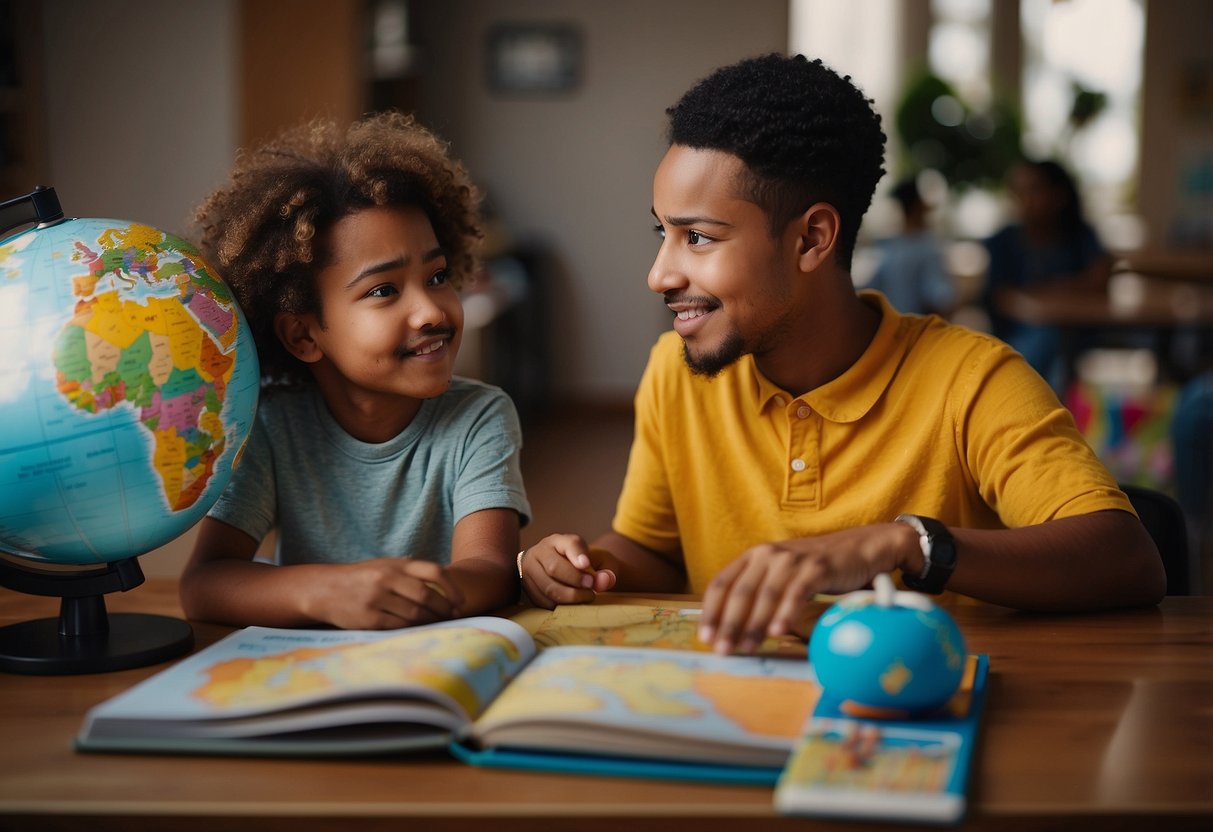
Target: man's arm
<point>1100,560</point>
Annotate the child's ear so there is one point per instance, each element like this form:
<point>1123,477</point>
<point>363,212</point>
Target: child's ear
<point>295,333</point>
<point>817,235</point>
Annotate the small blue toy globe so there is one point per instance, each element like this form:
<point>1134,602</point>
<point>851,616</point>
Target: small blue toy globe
<point>128,385</point>
<point>889,653</point>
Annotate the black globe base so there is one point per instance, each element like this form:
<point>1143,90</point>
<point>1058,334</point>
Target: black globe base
<point>85,638</point>
<point>133,640</point>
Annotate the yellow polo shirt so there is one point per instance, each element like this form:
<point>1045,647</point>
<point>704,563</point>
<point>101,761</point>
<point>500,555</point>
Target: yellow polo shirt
<point>933,419</point>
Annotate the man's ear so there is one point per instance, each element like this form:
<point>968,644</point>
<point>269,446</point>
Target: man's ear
<point>817,235</point>
<point>295,333</point>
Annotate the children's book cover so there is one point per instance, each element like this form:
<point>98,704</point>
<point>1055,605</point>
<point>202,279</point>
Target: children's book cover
<point>913,770</point>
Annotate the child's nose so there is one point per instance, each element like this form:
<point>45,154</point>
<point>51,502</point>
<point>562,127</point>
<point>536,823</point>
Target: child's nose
<point>425,311</point>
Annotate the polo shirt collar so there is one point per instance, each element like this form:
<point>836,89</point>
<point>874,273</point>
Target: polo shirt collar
<point>849,397</point>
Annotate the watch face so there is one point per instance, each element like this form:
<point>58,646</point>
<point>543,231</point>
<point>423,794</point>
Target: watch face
<point>938,551</point>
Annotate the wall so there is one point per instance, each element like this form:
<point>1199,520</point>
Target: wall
<point>289,72</point>
<point>1178,34</point>
<point>139,105</point>
<point>576,170</point>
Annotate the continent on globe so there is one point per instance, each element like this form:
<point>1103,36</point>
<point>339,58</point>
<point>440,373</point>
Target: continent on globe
<point>169,359</point>
<point>128,385</point>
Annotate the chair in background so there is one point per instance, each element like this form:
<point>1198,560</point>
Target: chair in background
<point>1164,520</point>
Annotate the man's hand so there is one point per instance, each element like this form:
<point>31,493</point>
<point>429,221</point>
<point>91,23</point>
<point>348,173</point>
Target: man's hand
<point>383,594</point>
<point>560,570</point>
<point>767,591</point>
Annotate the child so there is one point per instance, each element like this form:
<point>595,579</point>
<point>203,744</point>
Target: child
<point>394,488</point>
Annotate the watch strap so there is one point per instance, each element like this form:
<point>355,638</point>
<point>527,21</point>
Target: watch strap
<point>938,554</point>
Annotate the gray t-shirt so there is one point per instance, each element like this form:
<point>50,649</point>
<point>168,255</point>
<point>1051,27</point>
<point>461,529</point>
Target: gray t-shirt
<point>334,499</point>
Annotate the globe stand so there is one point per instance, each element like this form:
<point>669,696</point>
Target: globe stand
<point>84,638</point>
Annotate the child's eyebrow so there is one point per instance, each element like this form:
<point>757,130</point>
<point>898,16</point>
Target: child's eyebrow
<point>395,263</point>
<point>682,221</point>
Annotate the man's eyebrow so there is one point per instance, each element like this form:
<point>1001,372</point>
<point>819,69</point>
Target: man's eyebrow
<point>679,222</point>
<point>395,263</point>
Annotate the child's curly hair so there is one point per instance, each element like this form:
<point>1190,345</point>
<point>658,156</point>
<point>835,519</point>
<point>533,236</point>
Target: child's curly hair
<point>265,229</point>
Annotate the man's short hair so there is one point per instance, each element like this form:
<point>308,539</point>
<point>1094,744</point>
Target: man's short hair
<point>805,134</point>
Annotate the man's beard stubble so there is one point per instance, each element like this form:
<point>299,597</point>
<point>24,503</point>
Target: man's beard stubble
<point>711,363</point>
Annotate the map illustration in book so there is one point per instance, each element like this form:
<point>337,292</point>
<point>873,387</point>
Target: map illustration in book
<point>264,690</point>
<point>653,703</point>
<point>637,625</point>
<point>319,692</point>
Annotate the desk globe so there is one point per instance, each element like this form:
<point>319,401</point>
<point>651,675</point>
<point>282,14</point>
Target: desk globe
<point>887,653</point>
<point>128,385</point>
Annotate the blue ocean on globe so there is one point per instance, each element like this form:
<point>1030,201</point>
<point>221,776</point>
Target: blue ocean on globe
<point>887,650</point>
<point>128,386</point>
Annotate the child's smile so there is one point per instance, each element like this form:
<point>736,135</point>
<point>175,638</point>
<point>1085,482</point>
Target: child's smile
<point>391,319</point>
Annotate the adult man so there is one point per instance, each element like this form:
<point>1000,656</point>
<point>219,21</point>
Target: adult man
<point>787,421</point>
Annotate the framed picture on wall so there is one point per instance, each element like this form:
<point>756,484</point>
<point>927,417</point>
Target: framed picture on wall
<point>533,58</point>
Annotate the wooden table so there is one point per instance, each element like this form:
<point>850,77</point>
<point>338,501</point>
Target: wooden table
<point>1129,301</point>
<point>1098,719</point>
<point>1158,307</point>
<point>1195,265</point>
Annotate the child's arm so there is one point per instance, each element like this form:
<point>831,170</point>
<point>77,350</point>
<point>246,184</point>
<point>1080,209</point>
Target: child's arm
<point>563,569</point>
<point>482,560</point>
<point>222,583</point>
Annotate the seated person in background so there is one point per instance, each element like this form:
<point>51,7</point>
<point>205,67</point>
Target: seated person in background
<point>1051,244</point>
<point>794,437</point>
<point>911,272</point>
<point>394,488</point>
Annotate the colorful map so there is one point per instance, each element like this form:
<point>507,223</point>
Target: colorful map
<point>460,665</point>
<point>129,383</point>
<point>169,356</point>
<point>444,660</point>
<point>637,625</point>
<point>745,702</point>
<point>837,753</point>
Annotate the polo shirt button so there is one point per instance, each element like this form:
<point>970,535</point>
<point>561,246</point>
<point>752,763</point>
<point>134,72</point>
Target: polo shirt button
<point>798,464</point>
<point>803,412</point>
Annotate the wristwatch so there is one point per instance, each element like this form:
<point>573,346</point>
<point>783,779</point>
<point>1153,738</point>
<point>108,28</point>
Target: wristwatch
<point>938,554</point>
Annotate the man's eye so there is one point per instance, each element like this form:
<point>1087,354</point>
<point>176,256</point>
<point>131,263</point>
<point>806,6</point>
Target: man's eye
<point>382,291</point>
<point>440,277</point>
<point>659,231</point>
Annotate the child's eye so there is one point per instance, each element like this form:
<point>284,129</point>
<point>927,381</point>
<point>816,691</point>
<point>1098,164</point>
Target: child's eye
<point>659,231</point>
<point>440,277</point>
<point>382,291</point>
<point>697,238</point>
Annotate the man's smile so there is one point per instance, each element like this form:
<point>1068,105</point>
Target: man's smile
<point>690,313</point>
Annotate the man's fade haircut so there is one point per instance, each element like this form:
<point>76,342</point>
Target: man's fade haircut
<point>265,230</point>
<point>805,135</point>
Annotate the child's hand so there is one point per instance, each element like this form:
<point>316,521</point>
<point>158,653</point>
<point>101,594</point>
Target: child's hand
<point>559,570</point>
<point>384,593</point>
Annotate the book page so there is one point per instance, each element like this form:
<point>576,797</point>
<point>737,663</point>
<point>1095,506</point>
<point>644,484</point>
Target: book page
<point>659,703</point>
<point>460,665</point>
<point>663,626</point>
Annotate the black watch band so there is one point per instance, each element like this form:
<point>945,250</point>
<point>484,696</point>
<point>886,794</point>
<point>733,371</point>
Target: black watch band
<point>938,554</point>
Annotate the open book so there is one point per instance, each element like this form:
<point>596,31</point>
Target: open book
<point>479,686</point>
